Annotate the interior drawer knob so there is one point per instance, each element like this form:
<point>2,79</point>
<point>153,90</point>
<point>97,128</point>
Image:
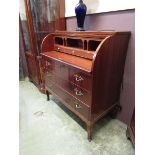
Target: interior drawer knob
<point>58,49</point>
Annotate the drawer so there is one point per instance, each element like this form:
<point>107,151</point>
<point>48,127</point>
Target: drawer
<point>81,79</point>
<point>75,104</point>
<point>76,91</point>
<point>57,68</point>
<point>71,88</point>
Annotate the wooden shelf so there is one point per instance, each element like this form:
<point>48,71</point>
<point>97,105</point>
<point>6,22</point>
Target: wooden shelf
<point>72,60</point>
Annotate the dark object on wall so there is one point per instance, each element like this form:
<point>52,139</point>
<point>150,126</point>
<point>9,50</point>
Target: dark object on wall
<point>80,11</point>
<point>131,129</point>
<point>85,70</point>
<point>39,18</point>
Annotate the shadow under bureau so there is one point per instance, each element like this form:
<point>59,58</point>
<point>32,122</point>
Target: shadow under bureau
<point>85,70</point>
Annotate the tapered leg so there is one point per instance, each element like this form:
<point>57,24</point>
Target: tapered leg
<point>48,96</point>
<point>89,131</point>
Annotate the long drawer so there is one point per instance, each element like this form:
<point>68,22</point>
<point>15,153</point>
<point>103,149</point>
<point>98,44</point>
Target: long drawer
<point>81,79</point>
<point>74,104</point>
<point>67,73</point>
<point>76,91</point>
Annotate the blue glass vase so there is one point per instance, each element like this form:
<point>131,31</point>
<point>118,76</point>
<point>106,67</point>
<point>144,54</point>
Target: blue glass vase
<point>80,11</point>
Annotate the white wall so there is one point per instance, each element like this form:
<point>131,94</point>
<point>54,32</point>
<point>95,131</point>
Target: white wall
<point>22,10</point>
<point>97,6</point>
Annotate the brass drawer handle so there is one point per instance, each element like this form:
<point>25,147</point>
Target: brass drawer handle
<point>78,78</point>
<point>78,92</point>
<point>77,106</point>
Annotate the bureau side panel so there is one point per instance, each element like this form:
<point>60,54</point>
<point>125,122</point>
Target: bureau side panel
<point>108,73</point>
<point>47,43</point>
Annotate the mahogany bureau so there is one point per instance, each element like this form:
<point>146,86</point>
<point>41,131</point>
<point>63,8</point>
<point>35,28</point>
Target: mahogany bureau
<point>85,70</point>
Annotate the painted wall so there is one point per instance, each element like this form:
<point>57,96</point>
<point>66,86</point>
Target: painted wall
<point>98,6</point>
<point>120,21</point>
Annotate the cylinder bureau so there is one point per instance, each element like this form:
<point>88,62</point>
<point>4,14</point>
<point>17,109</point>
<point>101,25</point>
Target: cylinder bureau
<point>84,70</point>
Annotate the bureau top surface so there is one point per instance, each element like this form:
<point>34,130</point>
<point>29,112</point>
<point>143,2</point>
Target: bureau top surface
<point>90,33</point>
<point>78,62</point>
